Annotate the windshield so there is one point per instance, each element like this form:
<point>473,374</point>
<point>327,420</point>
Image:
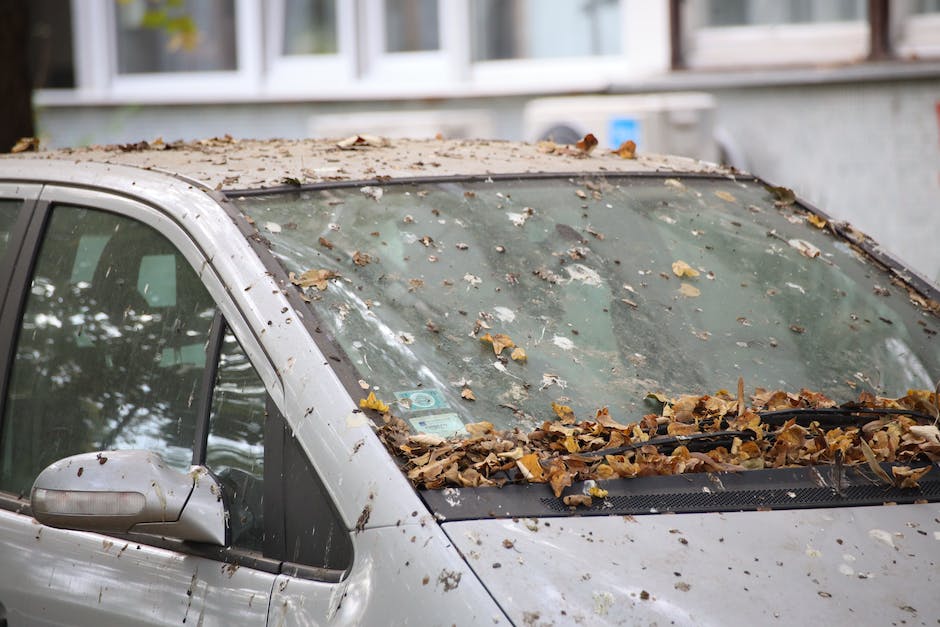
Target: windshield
<point>458,302</point>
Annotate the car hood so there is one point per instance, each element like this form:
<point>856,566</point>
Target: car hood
<point>876,565</point>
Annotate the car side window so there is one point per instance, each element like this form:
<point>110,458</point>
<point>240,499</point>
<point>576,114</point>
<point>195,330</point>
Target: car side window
<point>111,348</point>
<point>235,444</point>
<point>9,210</point>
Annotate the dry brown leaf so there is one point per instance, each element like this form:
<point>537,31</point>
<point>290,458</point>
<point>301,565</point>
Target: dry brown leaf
<point>574,500</point>
<point>499,341</point>
<point>326,243</point>
<point>725,196</point>
<point>518,354</point>
<point>25,144</point>
<point>564,413</point>
<point>682,269</point>
<point>907,477</point>
<point>361,141</point>
<point>479,429</point>
<point>313,278</point>
<point>531,469</point>
<point>689,291</point>
<point>371,402</point>
<point>361,259</point>
<point>817,221</point>
<point>626,150</point>
<point>806,249</point>
<point>586,144</point>
<point>467,394</point>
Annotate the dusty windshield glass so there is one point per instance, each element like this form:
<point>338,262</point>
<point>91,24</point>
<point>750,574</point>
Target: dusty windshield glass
<point>458,302</point>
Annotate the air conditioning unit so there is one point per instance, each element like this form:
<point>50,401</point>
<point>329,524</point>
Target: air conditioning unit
<point>452,124</point>
<point>672,123</point>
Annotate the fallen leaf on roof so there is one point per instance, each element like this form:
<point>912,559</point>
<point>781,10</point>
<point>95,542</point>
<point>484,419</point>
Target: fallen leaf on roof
<point>682,269</point>
<point>371,402</point>
<point>361,141</point>
<point>26,144</point>
<point>313,278</point>
<point>626,150</point>
<point>587,144</point>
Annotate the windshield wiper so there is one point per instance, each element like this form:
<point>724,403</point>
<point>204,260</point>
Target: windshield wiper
<point>838,416</point>
<point>709,439</point>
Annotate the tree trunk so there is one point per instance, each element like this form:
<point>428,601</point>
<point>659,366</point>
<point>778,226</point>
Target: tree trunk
<point>16,90</point>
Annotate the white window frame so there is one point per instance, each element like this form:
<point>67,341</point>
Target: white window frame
<point>770,45</point>
<point>914,34</point>
<point>644,32</point>
<point>292,75</point>
<point>404,71</point>
<point>158,87</point>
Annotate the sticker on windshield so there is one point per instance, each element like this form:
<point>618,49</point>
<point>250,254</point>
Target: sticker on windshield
<point>443,425</point>
<point>421,400</point>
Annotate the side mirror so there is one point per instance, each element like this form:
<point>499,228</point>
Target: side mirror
<point>130,491</point>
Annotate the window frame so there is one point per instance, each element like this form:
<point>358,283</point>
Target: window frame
<point>915,35</point>
<point>172,86</point>
<point>723,47</point>
<point>282,70</point>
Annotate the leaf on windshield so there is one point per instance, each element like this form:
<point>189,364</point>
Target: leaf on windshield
<point>626,150</point>
<point>689,291</point>
<point>326,243</point>
<point>531,469</point>
<point>499,341</point>
<point>564,413</point>
<point>806,249</point>
<point>817,221</point>
<point>518,354</point>
<point>313,278</point>
<point>907,477</point>
<point>361,259</point>
<point>467,394</point>
<point>783,196</point>
<point>586,144</point>
<point>559,451</point>
<point>682,269</point>
<point>725,196</point>
<point>371,402</point>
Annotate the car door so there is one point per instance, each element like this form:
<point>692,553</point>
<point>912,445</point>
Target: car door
<point>110,340</point>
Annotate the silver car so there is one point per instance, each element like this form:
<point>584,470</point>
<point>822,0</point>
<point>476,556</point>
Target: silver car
<point>454,382</point>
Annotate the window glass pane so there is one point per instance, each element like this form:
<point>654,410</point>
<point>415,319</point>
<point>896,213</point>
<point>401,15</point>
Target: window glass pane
<point>309,27</point>
<point>926,6</point>
<point>9,210</point>
<point>50,44</point>
<point>538,29</point>
<point>411,25</point>
<point>235,448</point>
<point>754,12</point>
<point>191,37</point>
<point>111,349</point>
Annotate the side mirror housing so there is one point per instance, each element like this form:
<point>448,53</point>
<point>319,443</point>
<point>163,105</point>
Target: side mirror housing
<point>130,491</point>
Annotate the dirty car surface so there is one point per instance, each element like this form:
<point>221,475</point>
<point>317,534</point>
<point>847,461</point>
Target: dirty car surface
<point>505,382</point>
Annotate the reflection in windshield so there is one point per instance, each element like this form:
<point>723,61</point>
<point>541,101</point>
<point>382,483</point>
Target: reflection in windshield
<point>612,288</point>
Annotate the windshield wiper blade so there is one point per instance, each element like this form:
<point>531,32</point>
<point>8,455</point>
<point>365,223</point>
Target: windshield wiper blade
<point>838,416</point>
<point>717,438</point>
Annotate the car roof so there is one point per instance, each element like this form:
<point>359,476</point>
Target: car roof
<point>225,163</point>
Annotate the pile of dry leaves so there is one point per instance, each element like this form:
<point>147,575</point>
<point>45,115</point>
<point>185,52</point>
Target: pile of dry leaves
<point>692,434</point>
